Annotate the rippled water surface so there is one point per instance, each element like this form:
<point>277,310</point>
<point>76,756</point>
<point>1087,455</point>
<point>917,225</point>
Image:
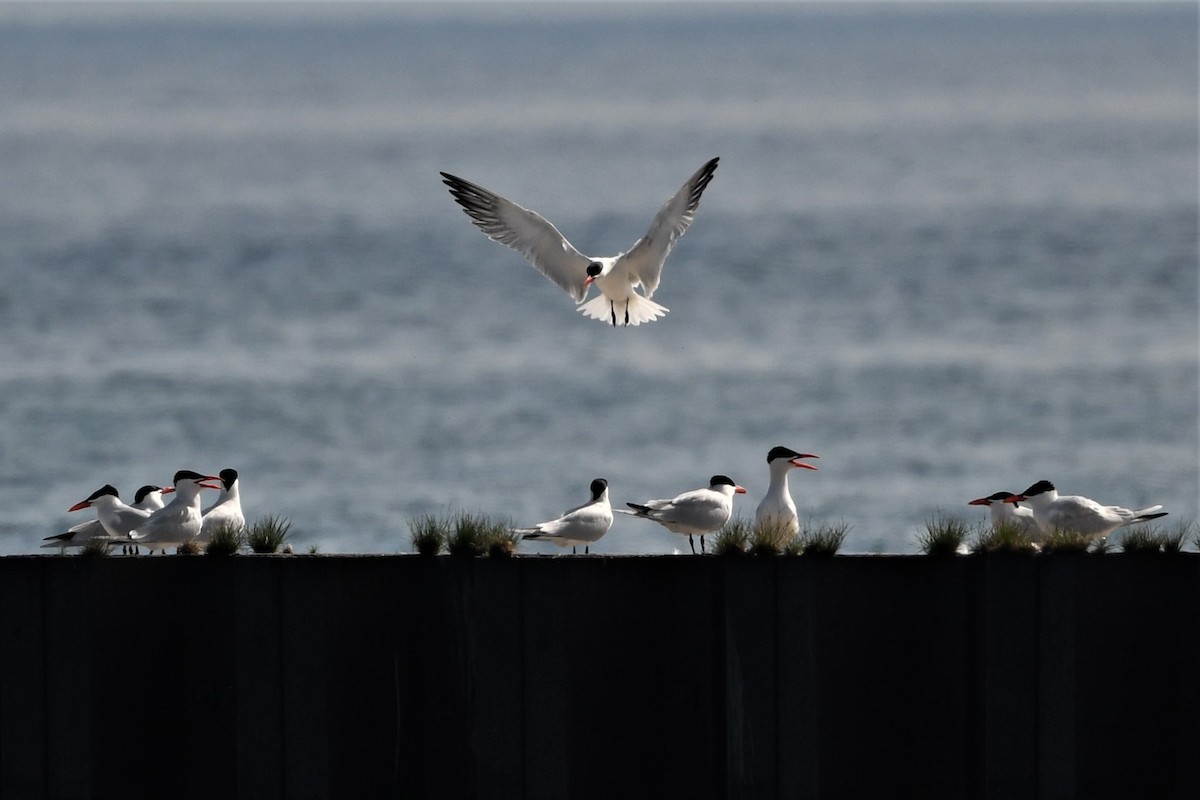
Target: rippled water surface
<point>952,249</point>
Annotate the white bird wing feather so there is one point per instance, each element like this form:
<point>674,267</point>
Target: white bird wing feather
<point>645,259</point>
<point>526,231</point>
<point>127,519</point>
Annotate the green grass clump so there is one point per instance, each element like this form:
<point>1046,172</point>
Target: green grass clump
<point>943,536</point>
<point>1062,541</point>
<point>429,534</point>
<point>732,539</point>
<point>770,539</point>
<point>1003,538</point>
<point>1173,539</point>
<point>1141,540</point>
<point>225,541</point>
<point>268,534</point>
<point>499,539</point>
<point>96,548</point>
<point>189,548</point>
<point>467,535</point>
<point>794,546</point>
<point>824,540</point>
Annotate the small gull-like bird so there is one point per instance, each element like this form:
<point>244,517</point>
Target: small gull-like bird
<point>1053,511</point>
<point>699,511</point>
<point>581,525</point>
<point>532,235</point>
<point>777,510</point>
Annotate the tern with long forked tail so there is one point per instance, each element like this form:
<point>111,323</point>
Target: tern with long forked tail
<point>617,277</point>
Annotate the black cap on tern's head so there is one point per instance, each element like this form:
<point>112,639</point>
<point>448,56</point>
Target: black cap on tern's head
<point>1041,487</point>
<point>106,490</point>
<point>228,476</point>
<point>1038,488</point>
<point>145,490</point>
<point>599,487</point>
<point>594,269</point>
<point>187,475</point>
<point>996,497</point>
<point>725,480</point>
<point>779,451</point>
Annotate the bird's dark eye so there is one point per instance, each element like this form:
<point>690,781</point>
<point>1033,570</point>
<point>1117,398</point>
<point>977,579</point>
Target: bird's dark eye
<point>594,268</point>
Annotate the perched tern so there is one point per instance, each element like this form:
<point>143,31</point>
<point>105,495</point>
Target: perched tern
<point>581,525</point>
<point>531,235</point>
<point>1004,513</point>
<point>114,520</point>
<point>1079,514</point>
<point>226,511</point>
<point>150,497</point>
<point>180,520</point>
<point>699,511</point>
<point>777,510</point>
<point>108,504</point>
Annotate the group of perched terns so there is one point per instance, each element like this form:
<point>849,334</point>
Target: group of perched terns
<point>1046,511</point>
<point>153,523</point>
<point>694,513</point>
<point>1037,512</point>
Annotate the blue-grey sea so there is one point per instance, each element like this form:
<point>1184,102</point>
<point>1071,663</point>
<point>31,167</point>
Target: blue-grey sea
<point>950,248</point>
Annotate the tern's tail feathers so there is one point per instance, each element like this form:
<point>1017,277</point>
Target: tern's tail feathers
<point>1143,516</point>
<point>633,312</point>
<point>638,510</point>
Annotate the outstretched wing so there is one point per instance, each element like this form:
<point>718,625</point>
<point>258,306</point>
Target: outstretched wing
<point>525,231</point>
<point>645,259</point>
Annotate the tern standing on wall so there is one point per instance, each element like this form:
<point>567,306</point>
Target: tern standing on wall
<point>777,510</point>
<point>581,525</point>
<point>699,511</point>
<point>226,512</point>
<point>1079,514</point>
<point>178,521</point>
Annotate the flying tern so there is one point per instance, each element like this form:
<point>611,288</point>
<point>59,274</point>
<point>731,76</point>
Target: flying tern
<point>534,237</point>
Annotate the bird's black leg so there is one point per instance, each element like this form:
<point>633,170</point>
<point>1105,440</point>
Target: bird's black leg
<point>626,313</point>
<point>586,551</point>
<point>702,543</point>
<point>573,550</point>
<point>692,543</point>
<point>612,309</point>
